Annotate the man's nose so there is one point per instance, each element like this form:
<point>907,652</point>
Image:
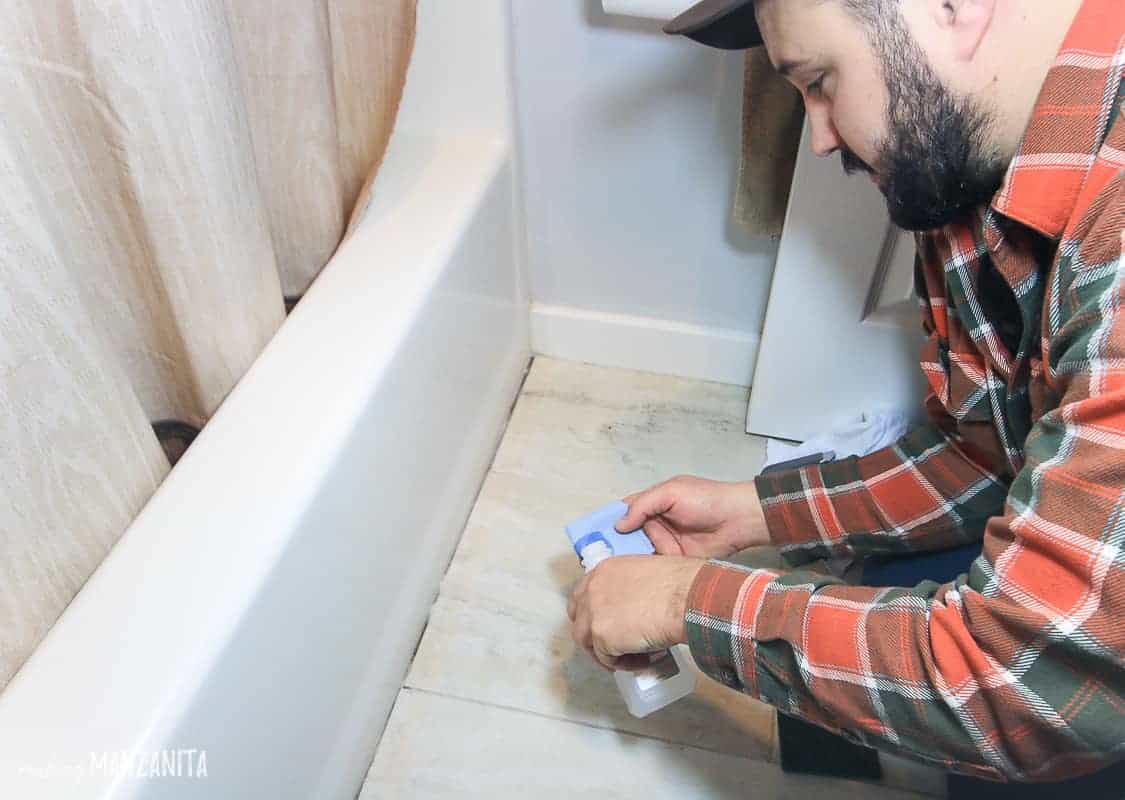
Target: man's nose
<point>825,139</point>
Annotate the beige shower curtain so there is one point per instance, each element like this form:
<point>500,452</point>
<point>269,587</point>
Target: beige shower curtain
<point>170,170</point>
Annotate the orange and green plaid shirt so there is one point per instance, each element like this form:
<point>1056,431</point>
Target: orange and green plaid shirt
<point>1016,670</point>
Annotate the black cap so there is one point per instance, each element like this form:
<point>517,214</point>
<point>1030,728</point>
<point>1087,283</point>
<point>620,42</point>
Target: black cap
<point>726,24</point>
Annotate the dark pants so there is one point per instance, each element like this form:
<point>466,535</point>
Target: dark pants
<point>1109,784</point>
<point>942,567</point>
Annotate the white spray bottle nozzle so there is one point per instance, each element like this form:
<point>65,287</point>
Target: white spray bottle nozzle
<point>594,551</point>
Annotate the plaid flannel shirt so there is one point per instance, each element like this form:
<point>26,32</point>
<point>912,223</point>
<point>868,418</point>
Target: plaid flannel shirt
<point>1016,670</point>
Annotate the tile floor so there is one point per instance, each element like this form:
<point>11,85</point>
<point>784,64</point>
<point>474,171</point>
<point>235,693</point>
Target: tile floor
<point>498,703</point>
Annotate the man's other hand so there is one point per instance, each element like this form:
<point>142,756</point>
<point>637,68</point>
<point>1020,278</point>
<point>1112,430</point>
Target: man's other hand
<point>696,517</point>
<point>631,605</point>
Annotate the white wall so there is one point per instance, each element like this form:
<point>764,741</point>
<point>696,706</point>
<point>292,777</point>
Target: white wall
<point>629,141</point>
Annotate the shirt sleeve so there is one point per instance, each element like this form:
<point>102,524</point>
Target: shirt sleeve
<point>922,493</point>
<point>1016,670</point>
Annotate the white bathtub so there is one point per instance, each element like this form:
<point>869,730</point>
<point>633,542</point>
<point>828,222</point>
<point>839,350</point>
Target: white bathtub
<point>265,605</point>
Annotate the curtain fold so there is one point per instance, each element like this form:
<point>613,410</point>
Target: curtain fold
<point>79,458</point>
<point>169,172</point>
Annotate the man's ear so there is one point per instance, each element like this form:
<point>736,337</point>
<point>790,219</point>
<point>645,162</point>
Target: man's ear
<point>967,21</point>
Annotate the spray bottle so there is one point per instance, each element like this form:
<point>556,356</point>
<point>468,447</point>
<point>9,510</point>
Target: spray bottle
<point>671,675</point>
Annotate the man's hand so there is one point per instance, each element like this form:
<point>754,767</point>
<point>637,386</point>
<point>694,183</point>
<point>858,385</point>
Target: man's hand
<point>697,517</point>
<point>632,605</point>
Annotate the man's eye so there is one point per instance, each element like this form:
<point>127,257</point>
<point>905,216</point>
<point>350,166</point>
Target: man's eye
<point>815,87</point>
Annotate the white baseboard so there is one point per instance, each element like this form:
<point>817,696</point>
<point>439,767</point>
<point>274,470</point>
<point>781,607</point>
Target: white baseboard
<point>644,343</point>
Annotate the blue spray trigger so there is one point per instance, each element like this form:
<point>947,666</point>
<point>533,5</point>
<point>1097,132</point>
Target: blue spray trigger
<point>601,522</point>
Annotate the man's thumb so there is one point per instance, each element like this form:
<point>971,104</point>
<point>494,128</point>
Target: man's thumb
<point>642,507</point>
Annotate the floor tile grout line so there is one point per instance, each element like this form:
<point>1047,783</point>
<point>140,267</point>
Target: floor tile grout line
<point>633,734</point>
<point>581,723</point>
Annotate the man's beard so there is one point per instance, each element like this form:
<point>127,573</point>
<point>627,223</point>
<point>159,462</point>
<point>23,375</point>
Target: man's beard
<point>935,164</point>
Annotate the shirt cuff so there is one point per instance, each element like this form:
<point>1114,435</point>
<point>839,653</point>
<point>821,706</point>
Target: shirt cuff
<point>796,513</point>
<point>722,607</point>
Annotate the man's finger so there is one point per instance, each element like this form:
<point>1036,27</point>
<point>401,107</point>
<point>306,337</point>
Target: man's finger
<point>645,505</point>
<point>664,542</point>
<point>605,659</point>
<point>575,597</point>
<point>580,631</point>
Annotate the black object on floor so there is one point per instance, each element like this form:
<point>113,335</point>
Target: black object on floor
<point>810,750</point>
<point>1109,784</point>
<point>175,437</point>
